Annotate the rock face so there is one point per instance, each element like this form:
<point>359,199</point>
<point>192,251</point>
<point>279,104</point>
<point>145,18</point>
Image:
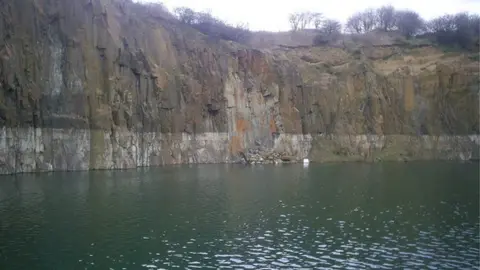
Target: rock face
<point>107,84</point>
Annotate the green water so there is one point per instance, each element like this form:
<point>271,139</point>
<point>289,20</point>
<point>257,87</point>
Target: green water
<point>422,215</point>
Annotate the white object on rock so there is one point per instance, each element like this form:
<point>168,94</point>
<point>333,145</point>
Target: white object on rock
<point>305,162</point>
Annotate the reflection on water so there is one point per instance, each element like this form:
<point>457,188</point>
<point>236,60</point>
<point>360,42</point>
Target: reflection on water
<point>421,215</point>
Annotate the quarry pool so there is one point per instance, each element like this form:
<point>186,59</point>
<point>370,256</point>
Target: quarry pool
<point>418,215</point>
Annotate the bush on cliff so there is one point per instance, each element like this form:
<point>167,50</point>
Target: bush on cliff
<point>459,30</point>
<point>152,10</point>
<point>329,31</point>
<point>201,21</point>
<point>385,18</point>
<point>212,26</point>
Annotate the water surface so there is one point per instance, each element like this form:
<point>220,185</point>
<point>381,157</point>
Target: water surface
<point>421,215</point>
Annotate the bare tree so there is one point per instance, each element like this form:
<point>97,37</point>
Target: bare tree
<point>294,20</point>
<point>330,27</point>
<point>330,31</point>
<point>475,24</point>
<point>242,25</point>
<point>386,17</point>
<point>302,20</point>
<point>305,19</point>
<point>409,22</point>
<point>467,24</point>
<point>206,23</point>
<point>354,24</point>
<point>185,15</point>
<point>444,23</point>
<point>466,30</point>
<point>240,33</point>
<point>362,22</point>
<point>206,18</point>
<point>368,19</point>
<point>158,10</point>
<point>455,30</point>
<point>317,19</point>
<point>452,23</point>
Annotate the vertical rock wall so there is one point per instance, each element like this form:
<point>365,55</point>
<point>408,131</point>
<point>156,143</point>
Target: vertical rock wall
<point>107,84</point>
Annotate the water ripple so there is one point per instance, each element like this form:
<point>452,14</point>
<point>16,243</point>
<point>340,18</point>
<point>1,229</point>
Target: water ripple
<point>425,251</point>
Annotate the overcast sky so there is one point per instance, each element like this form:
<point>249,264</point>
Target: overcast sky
<point>272,15</point>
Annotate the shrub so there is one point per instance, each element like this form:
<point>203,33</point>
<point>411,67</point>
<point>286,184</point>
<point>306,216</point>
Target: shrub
<point>302,20</point>
<point>209,25</point>
<point>460,30</point>
<point>354,24</point>
<point>185,15</point>
<point>386,16</point>
<point>329,31</point>
<point>330,27</point>
<point>151,10</point>
<point>409,23</point>
<point>362,22</point>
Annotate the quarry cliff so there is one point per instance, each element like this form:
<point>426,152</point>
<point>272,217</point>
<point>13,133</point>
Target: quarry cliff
<point>106,84</point>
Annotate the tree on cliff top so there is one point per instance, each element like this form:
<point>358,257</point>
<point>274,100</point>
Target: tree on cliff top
<point>362,22</point>
<point>409,23</point>
<point>330,27</point>
<point>206,23</point>
<point>155,10</point>
<point>329,31</point>
<point>185,14</point>
<point>302,20</point>
<point>460,30</point>
<point>386,18</point>
<point>354,24</point>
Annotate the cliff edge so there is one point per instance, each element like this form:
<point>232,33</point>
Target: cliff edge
<point>108,84</point>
